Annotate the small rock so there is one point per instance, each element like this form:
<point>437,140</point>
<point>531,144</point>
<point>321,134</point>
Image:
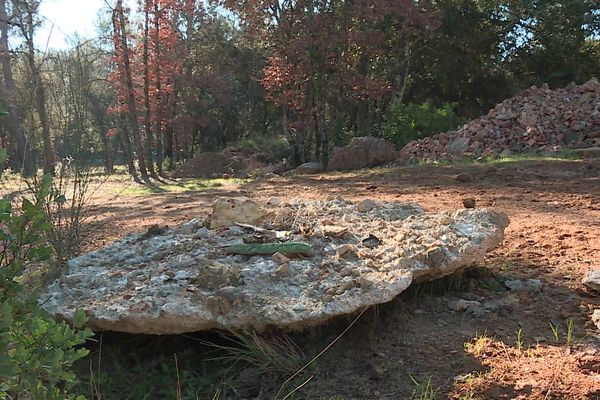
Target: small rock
<point>365,206</point>
<point>346,251</point>
<point>299,307</point>
<point>596,318</point>
<point>469,202</point>
<point>508,301</point>
<point>309,168</point>
<point>592,279</point>
<point>530,285</point>
<point>505,153</point>
<point>371,242</point>
<point>283,270</point>
<point>280,258</point>
<point>462,305</point>
<point>463,177</point>
<point>274,201</point>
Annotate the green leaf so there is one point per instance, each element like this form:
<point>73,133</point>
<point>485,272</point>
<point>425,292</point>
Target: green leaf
<point>80,318</point>
<point>3,156</point>
<point>60,199</point>
<point>46,186</point>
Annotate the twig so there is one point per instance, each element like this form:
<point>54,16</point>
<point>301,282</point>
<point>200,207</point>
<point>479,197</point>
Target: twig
<point>178,393</point>
<point>505,351</point>
<point>299,387</point>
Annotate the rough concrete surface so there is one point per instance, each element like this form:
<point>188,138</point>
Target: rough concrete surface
<point>169,281</point>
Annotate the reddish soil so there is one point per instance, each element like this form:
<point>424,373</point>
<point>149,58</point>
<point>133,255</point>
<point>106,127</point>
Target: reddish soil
<point>554,236</point>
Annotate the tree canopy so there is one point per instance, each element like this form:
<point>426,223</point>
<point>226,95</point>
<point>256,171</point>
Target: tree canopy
<point>172,78</point>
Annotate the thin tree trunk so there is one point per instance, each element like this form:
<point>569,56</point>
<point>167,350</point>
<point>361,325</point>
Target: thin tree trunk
<point>119,27</point>
<point>126,143</point>
<point>158,123</point>
<point>8,90</point>
<point>147,127</point>
<point>169,153</point>
<point>49,159</point>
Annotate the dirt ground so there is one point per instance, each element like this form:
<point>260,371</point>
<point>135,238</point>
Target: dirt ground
<point>395,350</point>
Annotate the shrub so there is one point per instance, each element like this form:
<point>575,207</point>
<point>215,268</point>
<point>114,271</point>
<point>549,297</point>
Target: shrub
<point>36,352</point>
<point>406,122</point>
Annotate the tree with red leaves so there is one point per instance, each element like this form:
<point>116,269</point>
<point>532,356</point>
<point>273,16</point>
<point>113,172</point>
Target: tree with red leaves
<point>333,66</point>
<point>148,68</point>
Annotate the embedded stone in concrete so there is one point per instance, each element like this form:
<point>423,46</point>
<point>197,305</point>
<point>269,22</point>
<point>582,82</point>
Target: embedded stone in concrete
<point>182,280</point>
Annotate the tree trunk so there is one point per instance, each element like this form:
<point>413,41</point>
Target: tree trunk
<point>147,126</point>
<point>169,153</point>
<point>126,143</point>
<point>158,123</point>
<point>49,159</point>
<point>8,90</point>
<point>121,32</point>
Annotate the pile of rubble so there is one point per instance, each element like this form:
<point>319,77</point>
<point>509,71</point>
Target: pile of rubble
<point>536,120</point>
<point>254,266</point>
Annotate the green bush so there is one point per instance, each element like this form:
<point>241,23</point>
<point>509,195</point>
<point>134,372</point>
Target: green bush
<point>406,122</point>
<point>36,352</point>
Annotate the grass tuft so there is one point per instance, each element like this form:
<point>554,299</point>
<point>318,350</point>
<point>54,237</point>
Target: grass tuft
<point>423,390</point>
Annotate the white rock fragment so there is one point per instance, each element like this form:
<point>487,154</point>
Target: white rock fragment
<point>230,210</point>
<point>596,318</point>
<point>592,279</point>
<point>365,205</point>
<point>274,201</point>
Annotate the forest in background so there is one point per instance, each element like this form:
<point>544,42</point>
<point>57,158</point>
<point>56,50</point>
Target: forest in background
<point>172,78</point>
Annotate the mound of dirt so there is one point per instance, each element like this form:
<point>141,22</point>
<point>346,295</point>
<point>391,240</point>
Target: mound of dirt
<point>231,162</point>
<point>208,165</point>
<point>362,152</point>
<point>191,278</point>
<point>535,120</point>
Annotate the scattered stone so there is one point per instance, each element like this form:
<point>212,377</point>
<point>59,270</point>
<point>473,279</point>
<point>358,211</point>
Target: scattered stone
<point>280,258</point>
<point>283,270</point>
<point>506,302</point>
<point>505,153</point>
<point>592,279</point>
<point>308,168</point>
<point>362,152</point>
<point>228,211</point>
<point>371,242</point>
<point>174,283</point>
<point>459,145</point>
<point>365,205</point>
<point>469,202</point>
<point>346,251</point>
<point>529,285</point>
<point>596,318</point>
<point>274,201</point>
<point>463,177</point>
<point>462,304</point>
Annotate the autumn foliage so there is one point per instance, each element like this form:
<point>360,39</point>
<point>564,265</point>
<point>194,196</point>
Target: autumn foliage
<point>333,66</point>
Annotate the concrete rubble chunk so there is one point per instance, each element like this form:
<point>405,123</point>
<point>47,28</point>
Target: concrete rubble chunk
<point>230,210</point>
<point>183,281</point>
